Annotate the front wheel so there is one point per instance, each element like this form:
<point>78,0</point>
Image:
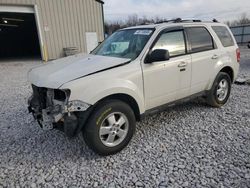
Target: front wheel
<point>110,127</point>
<point>220,91</point>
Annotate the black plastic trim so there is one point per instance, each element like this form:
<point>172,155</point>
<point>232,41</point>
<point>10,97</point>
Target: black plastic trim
<point>167,105</point>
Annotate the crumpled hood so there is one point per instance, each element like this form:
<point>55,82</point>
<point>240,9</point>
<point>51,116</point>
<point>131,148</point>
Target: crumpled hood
<point>56,73</point>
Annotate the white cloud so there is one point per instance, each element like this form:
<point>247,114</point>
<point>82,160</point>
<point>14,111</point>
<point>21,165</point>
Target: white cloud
<point>199,9</point>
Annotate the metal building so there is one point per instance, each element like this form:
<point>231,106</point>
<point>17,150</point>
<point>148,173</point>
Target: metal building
<point>45,27</point>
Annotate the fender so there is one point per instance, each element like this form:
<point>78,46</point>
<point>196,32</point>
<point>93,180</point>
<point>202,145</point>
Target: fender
<point>98,89</point>
<point>222,63</point>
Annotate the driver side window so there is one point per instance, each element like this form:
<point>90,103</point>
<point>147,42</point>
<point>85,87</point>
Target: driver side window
<point>173,41</point>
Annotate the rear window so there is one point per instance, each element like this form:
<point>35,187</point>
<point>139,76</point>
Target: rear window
<point>224,35</point>
<point>200,39</point>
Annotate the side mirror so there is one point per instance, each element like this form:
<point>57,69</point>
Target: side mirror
<point>157,55</point>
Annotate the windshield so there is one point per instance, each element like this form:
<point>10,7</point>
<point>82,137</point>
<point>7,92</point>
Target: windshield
<point>124,43</point>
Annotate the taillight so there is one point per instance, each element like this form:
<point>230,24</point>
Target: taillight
<point>238,55</point>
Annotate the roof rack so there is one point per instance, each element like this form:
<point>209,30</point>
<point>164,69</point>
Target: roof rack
<point>214,20</point>
<point>179,20</point>
<point>168,21</point>
<point>190,21</point>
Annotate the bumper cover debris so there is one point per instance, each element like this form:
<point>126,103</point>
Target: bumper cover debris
<point>50,106</point>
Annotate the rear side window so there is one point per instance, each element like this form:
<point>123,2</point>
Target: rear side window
<point>200,39</point>
<point>173,41</point>
<point>224,35</point>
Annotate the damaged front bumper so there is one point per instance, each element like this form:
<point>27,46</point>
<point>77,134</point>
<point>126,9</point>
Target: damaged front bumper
<point>52,106</point>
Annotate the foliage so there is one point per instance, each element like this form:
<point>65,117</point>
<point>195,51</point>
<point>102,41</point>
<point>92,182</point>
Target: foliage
<point>242,20</point>
<point>134,20</point>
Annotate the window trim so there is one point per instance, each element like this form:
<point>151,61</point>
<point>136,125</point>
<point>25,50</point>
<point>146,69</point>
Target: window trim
<point>151,34</point>
<point>189,42</point>
<point>168,30</point>
<point>213,28</point>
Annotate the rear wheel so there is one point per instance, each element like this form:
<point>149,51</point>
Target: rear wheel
<point>220,91</point>
<point>110,127</point>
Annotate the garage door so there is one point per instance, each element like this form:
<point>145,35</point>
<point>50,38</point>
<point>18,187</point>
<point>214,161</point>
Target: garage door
<point>18,33</point>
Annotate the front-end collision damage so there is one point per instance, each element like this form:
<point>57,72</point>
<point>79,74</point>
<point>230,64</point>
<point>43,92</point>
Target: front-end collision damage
<point>76,106</point>
<point>52,108</point>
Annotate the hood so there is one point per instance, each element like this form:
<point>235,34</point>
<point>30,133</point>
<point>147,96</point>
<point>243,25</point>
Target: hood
<point>56,73</point>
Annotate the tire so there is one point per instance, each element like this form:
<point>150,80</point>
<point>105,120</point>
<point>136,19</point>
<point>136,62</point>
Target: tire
<point>220,91</point>
<point>103,126</point>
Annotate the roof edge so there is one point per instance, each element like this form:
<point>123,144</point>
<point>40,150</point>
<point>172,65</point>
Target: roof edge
<point>100,1</point>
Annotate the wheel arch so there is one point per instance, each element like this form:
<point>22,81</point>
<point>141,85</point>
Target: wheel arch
<point>229,71</point>
<point>127,99</point>
<point>118,96</point>
<point>226,69</point>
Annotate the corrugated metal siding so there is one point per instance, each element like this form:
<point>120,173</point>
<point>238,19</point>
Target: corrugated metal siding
<point>67,20</point>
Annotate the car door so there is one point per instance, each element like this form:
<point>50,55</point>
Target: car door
<point>204,57</point>
<point>167,81</point>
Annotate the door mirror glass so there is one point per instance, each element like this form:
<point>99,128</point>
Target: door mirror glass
<point>158,55</point>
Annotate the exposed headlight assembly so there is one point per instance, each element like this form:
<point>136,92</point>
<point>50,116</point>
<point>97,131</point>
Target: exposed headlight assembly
<point>77,106</point>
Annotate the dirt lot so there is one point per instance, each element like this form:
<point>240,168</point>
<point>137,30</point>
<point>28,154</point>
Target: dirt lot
<point>190,145</point>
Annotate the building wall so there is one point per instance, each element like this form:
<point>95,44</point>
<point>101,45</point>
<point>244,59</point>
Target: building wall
<point>241,33</point>
<point>64,22</point>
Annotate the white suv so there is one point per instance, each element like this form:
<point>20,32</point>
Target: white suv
<point>136,71</point>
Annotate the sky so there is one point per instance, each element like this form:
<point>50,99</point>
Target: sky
<point>222,10</point>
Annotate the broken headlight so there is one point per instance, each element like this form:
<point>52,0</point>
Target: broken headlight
<point>61,95</point>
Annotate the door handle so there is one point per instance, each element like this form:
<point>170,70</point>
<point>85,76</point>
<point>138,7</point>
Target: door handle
<point>215,56</point>
<point>182,64</point>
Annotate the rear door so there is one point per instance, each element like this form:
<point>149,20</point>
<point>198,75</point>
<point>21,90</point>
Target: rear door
<point>204,55</point>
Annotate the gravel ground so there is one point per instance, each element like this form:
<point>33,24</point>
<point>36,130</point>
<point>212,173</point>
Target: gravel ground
<point>190,145</point>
